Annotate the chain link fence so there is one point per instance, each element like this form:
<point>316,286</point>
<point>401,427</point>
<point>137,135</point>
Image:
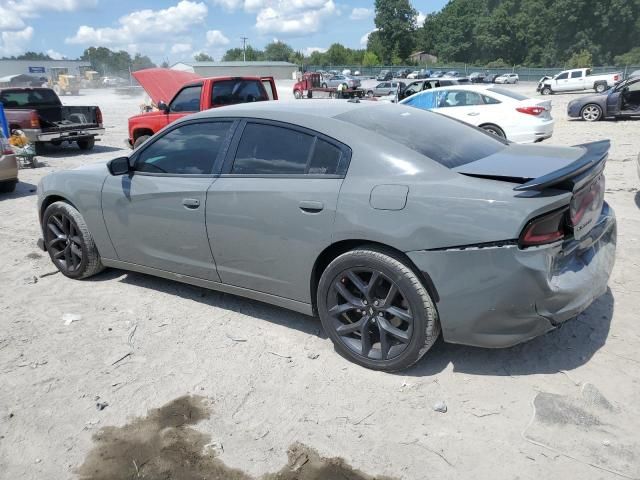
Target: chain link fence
<point>526,74</point>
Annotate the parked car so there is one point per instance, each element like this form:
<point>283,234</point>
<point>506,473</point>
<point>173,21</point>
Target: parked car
<point>346,71</point>
<point>452,74</point>
<point>621,101</point>
<point>490,78</point>
<point>504,113</point>
<point>356,73</point>
<point>386,88</point>
<point>476,77</point>
<point>413,75</point>
<point>351,211</point>
<point>508,78</point>
<point>576,80</point>
<point>191,93</point>
<point>350,82</point>
<point>8,166</point>
<point>402,73</point>
<point>384,75</point>
<point>437,74</point>
<point>39,113</point>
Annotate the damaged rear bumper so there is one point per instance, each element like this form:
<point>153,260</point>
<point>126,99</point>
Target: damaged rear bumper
<point>498,296</point>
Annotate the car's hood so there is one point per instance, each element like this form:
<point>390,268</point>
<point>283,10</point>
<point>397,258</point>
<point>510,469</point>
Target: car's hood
<point>539,165</point>
<point>163,83</point>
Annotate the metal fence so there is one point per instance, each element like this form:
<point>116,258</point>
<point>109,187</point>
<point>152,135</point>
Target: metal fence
<point>525,73</point>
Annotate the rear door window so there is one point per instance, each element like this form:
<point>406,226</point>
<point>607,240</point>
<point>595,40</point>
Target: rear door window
<point>230,92</point>
<point>576,74</point>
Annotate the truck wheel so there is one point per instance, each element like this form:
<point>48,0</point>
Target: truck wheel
<point>309,94</point>
<point>140,140</point>
<point>591,113</point>
<point>297,94</point>
<point>546,91</point>
<point>324,85</point>
<point>8,187</point>
<point>370,93</point>
<point>600,87</point>
<point>86,144</point>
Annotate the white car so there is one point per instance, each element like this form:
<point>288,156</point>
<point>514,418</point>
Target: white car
<point>502,112</point>
<point>512,78</point>
<point>346,71</point>
<point>413,75</point>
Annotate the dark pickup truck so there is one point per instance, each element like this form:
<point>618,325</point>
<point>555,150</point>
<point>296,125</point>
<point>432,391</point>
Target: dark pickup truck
<point>39,113</point>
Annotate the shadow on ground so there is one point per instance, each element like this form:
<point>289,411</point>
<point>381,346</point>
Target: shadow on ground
<point>637,199</point>
<point>65,150</point>
<point>163,445</point>
<point>567,347</point>
<point>23,189</point>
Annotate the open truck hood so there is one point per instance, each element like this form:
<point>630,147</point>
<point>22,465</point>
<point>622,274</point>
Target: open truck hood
<point>163,83</point>
<point>536,167</point>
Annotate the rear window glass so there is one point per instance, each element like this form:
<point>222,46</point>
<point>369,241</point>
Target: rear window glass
<point>447,141</point>
<point>29,98</point>
<point>229,92</point>
<point>507,93</point>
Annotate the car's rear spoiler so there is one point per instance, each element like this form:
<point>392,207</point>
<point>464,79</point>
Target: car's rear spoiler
<point>590,164</point>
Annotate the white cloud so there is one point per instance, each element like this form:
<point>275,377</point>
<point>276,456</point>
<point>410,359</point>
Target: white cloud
<point>420,18</point>
<point>365,38</point>
<point>9,20</point>
<point>144,26</point>
<point>216,38</point>
<point>361,13</point>
<point>179,48</point>
<point>294,17</point>
<point>309,50</point>
<point>15,43</point>
<point>33,8</point>
<point>55,55</point>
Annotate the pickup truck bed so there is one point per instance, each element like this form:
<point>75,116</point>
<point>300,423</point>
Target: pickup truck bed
<point>39,113</point>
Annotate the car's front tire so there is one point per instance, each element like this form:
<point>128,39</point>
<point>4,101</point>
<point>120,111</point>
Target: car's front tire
<point>69,242</point>
<point>591,113</point>
<point>546,91</point>
<point>140,140</point>
<point>376,310</point>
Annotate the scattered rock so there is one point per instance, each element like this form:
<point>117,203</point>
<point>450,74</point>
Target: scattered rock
<point>38,460</point>
<point>69,318</point>
<point>31,280</point>
<point>440,407</point>
<point>606,443</point>
<point>101,405</point>
<point>312,355</point>
<point>214,448</point>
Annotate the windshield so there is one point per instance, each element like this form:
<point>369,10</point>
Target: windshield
<point>29,97</point>
<point>447,141</point>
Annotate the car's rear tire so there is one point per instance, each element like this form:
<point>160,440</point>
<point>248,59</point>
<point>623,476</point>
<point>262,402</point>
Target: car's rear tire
<point>87,144</point>
<point>324,85</point>
<point>600,87</point>
<point>591,112</point>
<point>140,140</point>
<point>39,148</point>
<point>69,242</point>
<point>376,310</point>
<point>494,130</point>
<point>8,187</point>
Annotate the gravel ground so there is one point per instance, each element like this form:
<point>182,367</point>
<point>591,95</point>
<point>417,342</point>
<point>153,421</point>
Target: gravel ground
<point>564,404</point>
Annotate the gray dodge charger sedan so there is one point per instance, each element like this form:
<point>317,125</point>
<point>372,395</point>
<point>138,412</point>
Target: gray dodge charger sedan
<point>390,223</point>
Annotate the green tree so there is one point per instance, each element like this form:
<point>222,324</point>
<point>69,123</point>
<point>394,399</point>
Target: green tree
<point>237,55</point>
<point>140,62</point>
<point>581,59</point>
<point>203,57</point>
<point>370,59</point>
<point>34,56</point>
<point>278,52</point>
<point>396,24</point>
<point>337,54</point>
<point>632,57</point>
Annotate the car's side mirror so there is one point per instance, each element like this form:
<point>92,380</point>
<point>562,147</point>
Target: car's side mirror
<point>163,107</point>
<point>119,166</point>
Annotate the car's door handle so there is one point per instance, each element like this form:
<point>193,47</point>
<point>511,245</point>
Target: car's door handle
<point>191,203</point>
<point>310,206</point>
<point>473,114</point>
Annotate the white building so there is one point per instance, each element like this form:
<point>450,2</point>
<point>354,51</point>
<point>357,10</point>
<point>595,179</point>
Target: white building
<point>278,70</point>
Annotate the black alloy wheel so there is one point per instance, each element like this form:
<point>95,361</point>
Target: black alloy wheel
<point>64,243</point>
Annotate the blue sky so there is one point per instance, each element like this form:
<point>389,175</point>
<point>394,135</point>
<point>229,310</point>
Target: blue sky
<point>177,29</point>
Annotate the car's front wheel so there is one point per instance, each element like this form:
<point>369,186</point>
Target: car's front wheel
<point>546,91</point>
<point>69,242</point>
<point>376,310</point>
<point>591,113</point>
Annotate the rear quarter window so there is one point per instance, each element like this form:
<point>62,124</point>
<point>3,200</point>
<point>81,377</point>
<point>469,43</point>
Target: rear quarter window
<point>447,141</point>
<point>230,92</point>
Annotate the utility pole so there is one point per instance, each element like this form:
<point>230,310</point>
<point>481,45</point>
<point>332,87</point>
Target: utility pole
<point>244,48</point>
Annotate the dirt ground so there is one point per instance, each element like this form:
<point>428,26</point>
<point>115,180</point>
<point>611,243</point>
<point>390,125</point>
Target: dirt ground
<point>565,404</point>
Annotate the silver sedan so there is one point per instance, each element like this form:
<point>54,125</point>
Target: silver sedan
<point>353,212</point>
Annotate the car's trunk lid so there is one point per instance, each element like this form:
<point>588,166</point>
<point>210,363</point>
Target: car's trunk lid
<point>537,168</point>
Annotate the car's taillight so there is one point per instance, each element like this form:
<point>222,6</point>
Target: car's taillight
<point>98,116</point>
<point>34,120</point>
<point>531,110</point>
<point>547,228</point>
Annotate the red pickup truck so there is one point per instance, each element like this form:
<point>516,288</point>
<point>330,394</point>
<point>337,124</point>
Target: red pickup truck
<point>192,96</point>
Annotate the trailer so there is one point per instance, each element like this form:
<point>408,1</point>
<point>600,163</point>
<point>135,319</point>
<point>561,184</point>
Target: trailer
<point>312,82</point>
